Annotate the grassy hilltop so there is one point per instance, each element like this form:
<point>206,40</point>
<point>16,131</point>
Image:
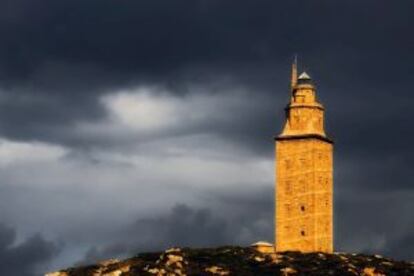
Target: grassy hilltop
<point>243,261</point>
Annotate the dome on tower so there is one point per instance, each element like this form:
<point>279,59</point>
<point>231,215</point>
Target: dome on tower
<point>304,78</point>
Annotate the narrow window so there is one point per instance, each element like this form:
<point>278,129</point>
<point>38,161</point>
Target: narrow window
<point>288,187</point>
<point>302,233</point>
<point>296,120</point>
<point>287,164</point>
<point>287,208</point>
<point>302,208</point>
<point>287,229</point>
<point>320,156</point>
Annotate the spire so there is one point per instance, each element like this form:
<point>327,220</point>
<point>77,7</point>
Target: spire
<point>294,76</point>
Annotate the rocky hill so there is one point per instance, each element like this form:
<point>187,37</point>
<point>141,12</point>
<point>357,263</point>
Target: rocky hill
<point>243,261</point>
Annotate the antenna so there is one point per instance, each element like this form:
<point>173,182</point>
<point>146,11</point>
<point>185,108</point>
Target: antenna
<point>294,73</point>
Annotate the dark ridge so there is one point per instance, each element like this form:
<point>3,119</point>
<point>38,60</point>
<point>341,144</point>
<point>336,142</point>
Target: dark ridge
<point>230,260</point>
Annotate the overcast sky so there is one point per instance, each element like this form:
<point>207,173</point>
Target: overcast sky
<point>129,126</point>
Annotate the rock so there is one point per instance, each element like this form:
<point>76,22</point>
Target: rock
<point>370,271</point>
<point>169,263</point>
<point>351,266</point>
<point>108,262</point>
<point>113,273</point>
<point>57,273</point>
<point>217,270</point>
<point>173,250</point>
<point>322,256</point>
<point>259,259</point>
<point>288,271</point>
<point>179,272</point>
<point>154,271</point>
<point>174,259</point>
<point>353,271</point>
<point>343,258</point>
<point>276,258</point>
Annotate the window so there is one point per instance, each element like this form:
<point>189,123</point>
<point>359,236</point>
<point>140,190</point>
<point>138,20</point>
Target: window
<point>327,227</point>
<point>287,208</point>
<point>296,119</point>
<point>287,229</point>
<point>302,233</point>
<point>302,208</point>
<point>299,99</point>
<point>302,186</point>
<point>320,155</point>
<point>288,187</point>
<point>288,164</point>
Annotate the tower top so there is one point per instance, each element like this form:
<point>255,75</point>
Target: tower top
<point>304,76</point>
<point>305,115</point>
<point>304,79</point>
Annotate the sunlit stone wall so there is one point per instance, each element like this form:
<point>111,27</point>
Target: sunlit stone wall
<point>304,176</point>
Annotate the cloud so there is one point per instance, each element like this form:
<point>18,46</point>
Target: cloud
<point>55,62</point>
<point>146,114</point>
<point>25,258</point>
<point>12,153</point>
<point>143,111</point>
<point>150,108</point>
<point>402,247</point>
<point>183,226</point>
<point>144,163</point>
<point>374,222</point>
<point>86,197</point>
<point>243,217</point>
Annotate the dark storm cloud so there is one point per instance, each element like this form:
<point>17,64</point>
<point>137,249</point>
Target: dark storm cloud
<point>150,38</point>
<point>231,219</point>
<point>70,52</point>
<point>26,258</point>
<point>246,217</point>
<point>375,224</point>
<point>185,226</point>
<point>402,248</point>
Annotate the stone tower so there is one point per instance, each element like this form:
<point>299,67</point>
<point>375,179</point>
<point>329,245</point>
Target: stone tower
<point>304,173</point>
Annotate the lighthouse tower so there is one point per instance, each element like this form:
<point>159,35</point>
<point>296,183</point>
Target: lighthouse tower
<point>304,173</point>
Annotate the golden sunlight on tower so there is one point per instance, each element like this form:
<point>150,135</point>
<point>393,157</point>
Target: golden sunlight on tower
<point>304,173</point>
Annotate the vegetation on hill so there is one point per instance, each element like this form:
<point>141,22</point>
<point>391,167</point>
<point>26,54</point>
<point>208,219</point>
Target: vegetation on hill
<point>243,261</point>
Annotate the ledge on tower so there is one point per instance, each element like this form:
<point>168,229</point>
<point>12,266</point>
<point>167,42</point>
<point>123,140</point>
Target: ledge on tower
<point>303,136</point>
